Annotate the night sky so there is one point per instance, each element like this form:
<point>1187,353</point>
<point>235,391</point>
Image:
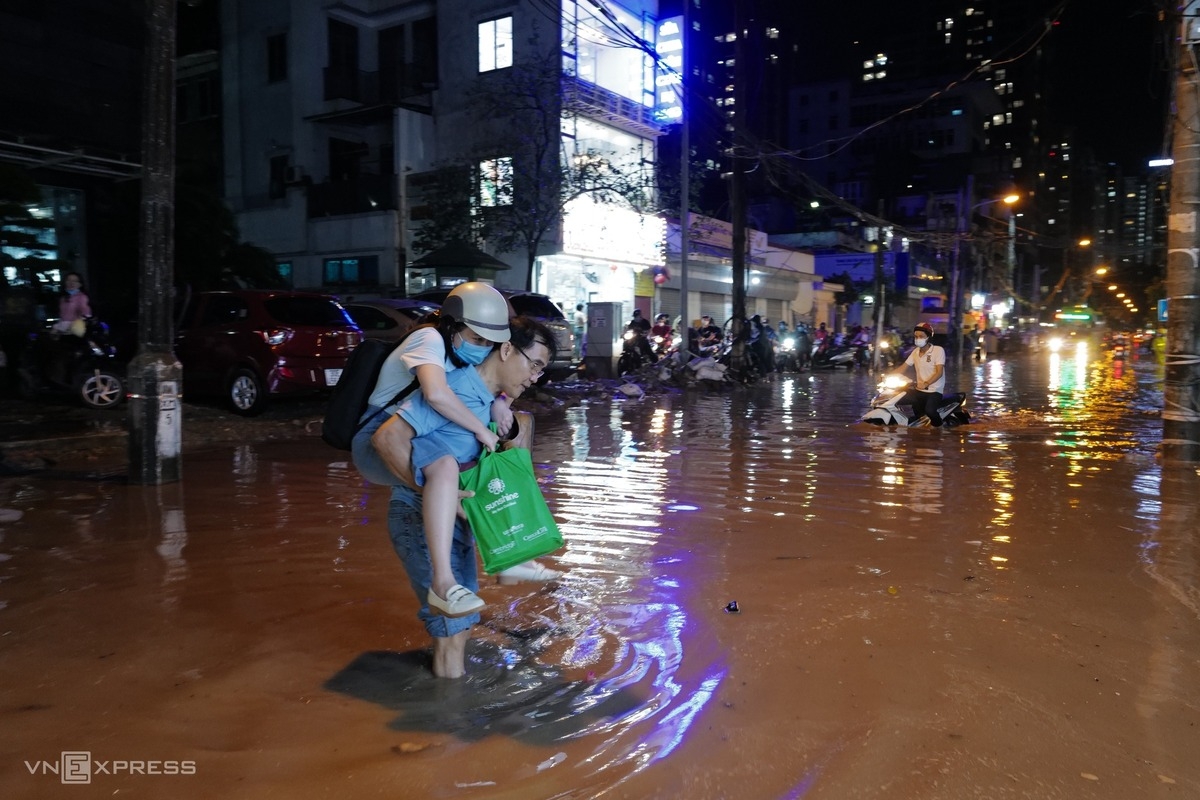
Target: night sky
<point>1110,76</point>
<point>1117,82</point>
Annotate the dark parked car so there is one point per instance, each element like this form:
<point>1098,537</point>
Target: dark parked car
<point>541,308</point>
<point>388,320</point>
<point>246,345</point>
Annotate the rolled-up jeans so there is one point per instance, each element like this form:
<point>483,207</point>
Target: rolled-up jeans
<point>406,526</point>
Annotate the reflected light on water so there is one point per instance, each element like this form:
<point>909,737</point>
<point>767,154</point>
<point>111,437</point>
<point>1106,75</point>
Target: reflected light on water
<point>626,606</point>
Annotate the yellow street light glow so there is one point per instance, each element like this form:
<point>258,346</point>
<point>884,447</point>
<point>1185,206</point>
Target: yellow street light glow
<point>1011,198</point>
<point>1112,287</point>
<point>1120,294</point>
<point>1102,271</point>
<point>1084,242</point>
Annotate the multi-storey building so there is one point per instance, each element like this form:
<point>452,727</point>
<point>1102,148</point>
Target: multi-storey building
<point>70,118</point>
<point>337,118</point>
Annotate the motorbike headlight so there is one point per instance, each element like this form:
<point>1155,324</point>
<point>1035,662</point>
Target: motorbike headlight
<point>1055,344</point>
<point>893,382</point>
<point>883,345</point>
<point>629,335</point>
<point>789,343</point>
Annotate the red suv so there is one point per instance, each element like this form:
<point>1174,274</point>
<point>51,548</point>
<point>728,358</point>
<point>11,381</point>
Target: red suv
<point>246,345</point>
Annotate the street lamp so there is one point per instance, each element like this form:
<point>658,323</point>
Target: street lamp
<point>1066,270</point>
<point>954,322</point>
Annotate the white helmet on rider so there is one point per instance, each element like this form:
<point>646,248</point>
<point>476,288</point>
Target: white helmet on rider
<point>481,308</point>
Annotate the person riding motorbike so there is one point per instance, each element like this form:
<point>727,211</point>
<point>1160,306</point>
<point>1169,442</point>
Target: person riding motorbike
<point>662,335</point>
<point>636,349</point>
<point>711,336</point>
<point>929,364</point>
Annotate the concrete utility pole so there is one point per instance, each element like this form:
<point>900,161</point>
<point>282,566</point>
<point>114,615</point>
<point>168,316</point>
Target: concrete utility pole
<point>737,192</point>
<point>954,304</point>
<point>155,420</point>
<point>1181,391</point>
<point>877,354</point>
<point>685,187</point>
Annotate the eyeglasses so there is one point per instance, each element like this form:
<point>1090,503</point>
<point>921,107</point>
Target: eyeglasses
<point>536,366</point>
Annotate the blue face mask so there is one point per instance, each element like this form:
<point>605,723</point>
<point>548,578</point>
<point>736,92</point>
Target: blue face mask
<point>472,353</point>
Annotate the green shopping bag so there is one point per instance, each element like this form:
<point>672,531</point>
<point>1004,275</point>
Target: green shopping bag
<point>508,514</point>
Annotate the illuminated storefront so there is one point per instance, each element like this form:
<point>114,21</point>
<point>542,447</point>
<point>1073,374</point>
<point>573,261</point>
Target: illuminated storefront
<point>605,248</point>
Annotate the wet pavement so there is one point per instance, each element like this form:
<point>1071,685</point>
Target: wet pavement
<point>1006,609</point>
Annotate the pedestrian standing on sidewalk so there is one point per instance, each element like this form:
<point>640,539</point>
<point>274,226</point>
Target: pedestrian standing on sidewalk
<point>580,325</point>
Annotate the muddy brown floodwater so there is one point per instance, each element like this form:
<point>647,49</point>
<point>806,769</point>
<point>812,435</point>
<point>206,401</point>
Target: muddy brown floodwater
<point>1007,609</point>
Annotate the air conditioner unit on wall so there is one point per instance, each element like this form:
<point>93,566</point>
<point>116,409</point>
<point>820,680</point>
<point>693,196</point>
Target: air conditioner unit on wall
<point>293,175</point>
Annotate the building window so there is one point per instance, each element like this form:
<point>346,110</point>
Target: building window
<point>197,99</point>
<point>277,184</point>
<point>495,182</point>
<point>495,44</point>
<point>277,58</point>
<point>284,268</point>
<point>341,75</point>
<point>351,271</point>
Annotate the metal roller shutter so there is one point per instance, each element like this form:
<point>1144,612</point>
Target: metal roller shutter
<point>716,306</point>
<point>668,303</point>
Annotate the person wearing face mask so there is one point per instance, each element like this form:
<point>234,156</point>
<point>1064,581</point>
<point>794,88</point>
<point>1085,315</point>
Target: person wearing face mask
<point>472,321</point>
<point>929,364</point>
<point>73,306</point>
<point>415,438</point>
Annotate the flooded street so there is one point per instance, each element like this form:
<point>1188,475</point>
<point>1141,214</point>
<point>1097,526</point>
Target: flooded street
<point>1008,609</point>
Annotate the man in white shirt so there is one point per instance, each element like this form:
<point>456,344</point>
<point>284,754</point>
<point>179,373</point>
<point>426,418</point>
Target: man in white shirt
<point>929,363</point>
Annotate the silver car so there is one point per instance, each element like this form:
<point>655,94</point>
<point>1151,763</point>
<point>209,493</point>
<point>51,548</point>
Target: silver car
<point>388,320</point>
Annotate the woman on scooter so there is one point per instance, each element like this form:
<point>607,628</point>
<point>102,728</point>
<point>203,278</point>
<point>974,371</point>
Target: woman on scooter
<point>73,306</point>
<point>929,364</point>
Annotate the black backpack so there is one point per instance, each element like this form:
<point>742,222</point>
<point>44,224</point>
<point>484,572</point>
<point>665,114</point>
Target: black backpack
<point>348,401</point>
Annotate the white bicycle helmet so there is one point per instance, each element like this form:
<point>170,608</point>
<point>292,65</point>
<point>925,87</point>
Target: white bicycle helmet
<point>481,308</point>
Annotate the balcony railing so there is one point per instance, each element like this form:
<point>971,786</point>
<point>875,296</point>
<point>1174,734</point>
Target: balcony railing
<point>375,88</point>
<point>361,195</point>
<point>591,100</point>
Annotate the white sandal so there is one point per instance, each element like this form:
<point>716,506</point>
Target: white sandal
<point>460,601</point>
<point>529,571</point>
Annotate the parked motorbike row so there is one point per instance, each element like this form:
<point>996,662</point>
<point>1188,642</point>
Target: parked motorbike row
<point>892,405</point>
<point>791,351</point>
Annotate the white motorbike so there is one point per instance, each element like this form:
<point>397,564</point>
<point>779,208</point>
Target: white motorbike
<point>892,405</point>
